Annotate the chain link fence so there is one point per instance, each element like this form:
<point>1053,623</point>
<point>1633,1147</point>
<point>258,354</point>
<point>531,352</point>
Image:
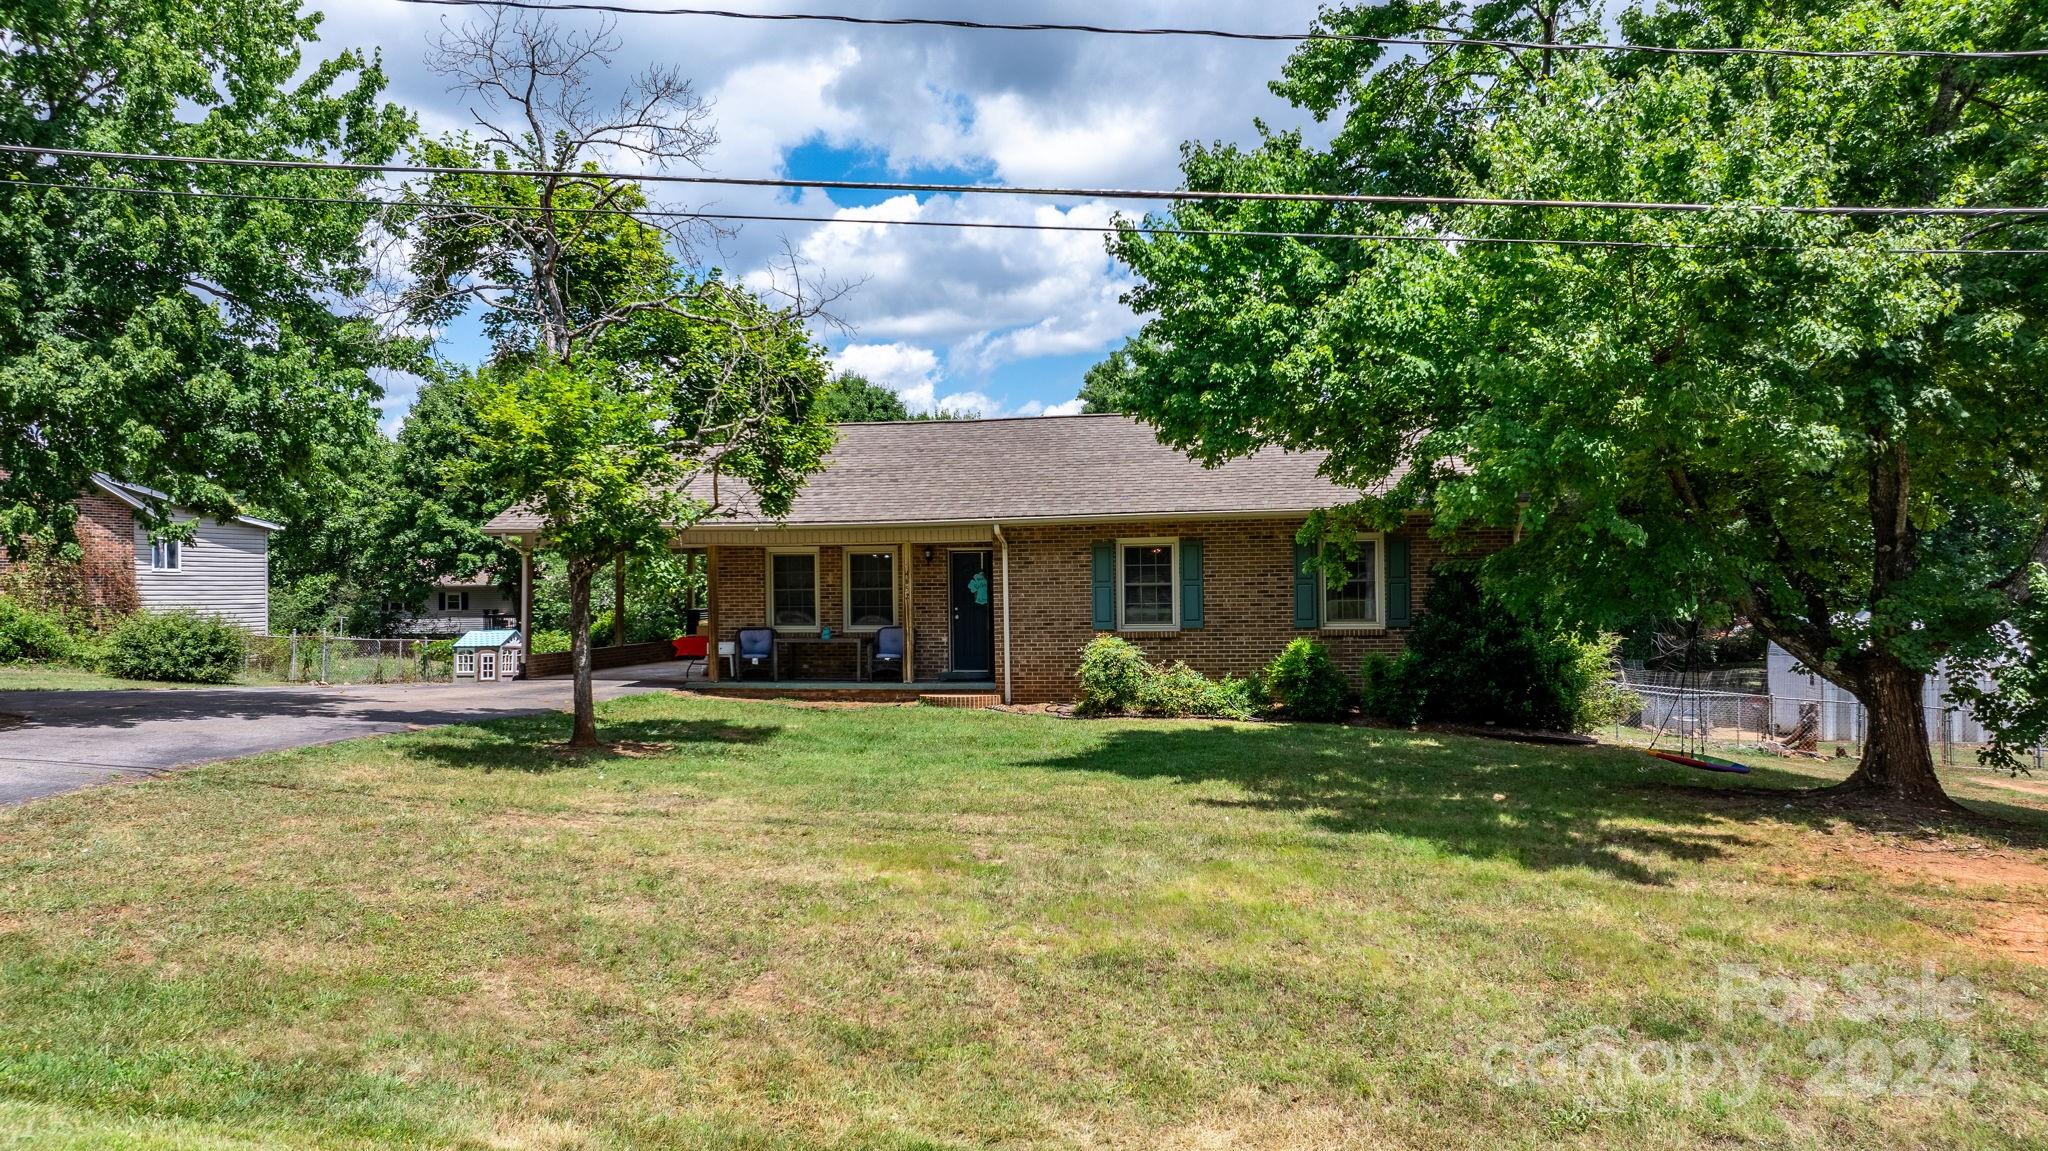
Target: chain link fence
<point>1731,721</point>
<point>337,659</point>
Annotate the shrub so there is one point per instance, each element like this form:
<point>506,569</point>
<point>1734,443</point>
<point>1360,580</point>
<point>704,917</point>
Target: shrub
<point>548,641</point>
<point>439,651</point>
<point>29,634</point>
<point>1304,681</point>
<point>1114,674</point>
<point>180,647</point>
<point>1180,691</point>
<point>1389,692</point>
<point>1472,660</point>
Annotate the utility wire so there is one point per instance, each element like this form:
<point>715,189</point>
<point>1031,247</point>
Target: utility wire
<point>1180,195</point>
<point>1266,37</point>
<point>1448,239</point>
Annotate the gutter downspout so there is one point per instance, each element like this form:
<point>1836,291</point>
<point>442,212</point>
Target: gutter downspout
<point>1005,541</point>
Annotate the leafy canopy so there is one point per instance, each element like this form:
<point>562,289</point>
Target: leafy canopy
<point>195,346</point>
<point>1845,444</point>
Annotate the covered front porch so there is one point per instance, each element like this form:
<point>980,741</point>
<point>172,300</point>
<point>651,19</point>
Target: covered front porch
<point>825,601</point>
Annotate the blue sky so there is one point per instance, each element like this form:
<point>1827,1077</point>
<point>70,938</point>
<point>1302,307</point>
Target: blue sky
<point>1002,322</point>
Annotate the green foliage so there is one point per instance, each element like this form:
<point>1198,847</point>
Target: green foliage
<point>1117,679</point>
<point>1179,691</point>
<point>438,651</point>
<point>1104,386</point>
<point>1471,660</point>
<point>851,399</point>
<point>175,647</point>
<point>27,633</point>
<point>1771,413</point>
<point>205,348</point>
<point>1304,682</point>
<point>1113,676</point>
<point>547,642</point>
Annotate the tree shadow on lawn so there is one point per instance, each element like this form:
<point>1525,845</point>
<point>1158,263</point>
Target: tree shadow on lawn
<point>1543,808</point>
<point>539,744</point>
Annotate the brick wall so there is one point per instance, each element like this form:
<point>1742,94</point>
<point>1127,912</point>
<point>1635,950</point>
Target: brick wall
<point>1248,600</point>
<point>103,580</point>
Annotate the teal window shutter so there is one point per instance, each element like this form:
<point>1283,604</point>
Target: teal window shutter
<point>1105,585</point>
<point>1305,613</point>
<point>1191,583</point>
<point>1399,611</point>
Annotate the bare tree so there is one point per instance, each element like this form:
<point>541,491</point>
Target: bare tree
<point>570,263</point>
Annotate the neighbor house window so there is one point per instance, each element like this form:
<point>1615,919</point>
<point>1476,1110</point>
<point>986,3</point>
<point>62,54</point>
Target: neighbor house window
<point>793,590</point>
<point>166,555</point>
<point>870,590</point>
<point>1148,592</point>
<point>454,601</point>
<point>1352,599</point>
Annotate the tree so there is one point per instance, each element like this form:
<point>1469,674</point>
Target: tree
<point>625,393</point>
<point>851,399</point>
<point>1776,414</point>
<point>199,346</point>
<point>1103,386</point>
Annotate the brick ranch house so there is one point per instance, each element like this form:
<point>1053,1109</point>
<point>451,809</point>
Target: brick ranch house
<point>223,570</point>
<point>1003,546</point>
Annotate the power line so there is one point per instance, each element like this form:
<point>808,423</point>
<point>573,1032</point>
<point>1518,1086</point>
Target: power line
<point>1449,239</point>
<point>1175,195</point>
<point>1265,37</point>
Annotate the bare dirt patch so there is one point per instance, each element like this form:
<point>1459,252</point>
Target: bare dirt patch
<point>2005,891</point>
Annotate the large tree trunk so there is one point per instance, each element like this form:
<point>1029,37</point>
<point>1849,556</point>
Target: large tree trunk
<point>1897,763</point>
<point>585,732</point>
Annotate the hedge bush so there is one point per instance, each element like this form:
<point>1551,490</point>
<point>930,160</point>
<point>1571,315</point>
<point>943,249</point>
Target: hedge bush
<point>178,647</point>
<point>547,641</point>
<point>1471,660</point>
<point>1304,681</point>
<point>1180,691</point>
<point>27,634</point>
<point>1113,676</point>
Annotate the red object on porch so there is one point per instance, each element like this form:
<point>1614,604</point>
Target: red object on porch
<point>692,646</point>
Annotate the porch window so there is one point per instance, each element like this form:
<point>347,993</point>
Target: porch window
<point>1354,601</point>
<point>166,555</point>
<point>793,590</point>
<point>1148,594</point>
<point>870,590</point>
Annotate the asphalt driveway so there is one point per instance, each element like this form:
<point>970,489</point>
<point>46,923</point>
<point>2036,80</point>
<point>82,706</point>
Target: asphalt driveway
<point>58,741</point>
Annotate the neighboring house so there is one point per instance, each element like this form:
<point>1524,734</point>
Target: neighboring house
<point>1004,546</point>
<point>1793,687</point>
<point>223,570</point>
<point>456,606</point>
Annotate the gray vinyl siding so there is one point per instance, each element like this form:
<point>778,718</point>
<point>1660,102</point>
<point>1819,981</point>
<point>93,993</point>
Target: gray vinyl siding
<point>224,571</point>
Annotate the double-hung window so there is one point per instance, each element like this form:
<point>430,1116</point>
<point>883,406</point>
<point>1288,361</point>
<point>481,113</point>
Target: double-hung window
<point>1148,590</point>
<point>454,601</point>
<point>1357,597</point>
<point>166,555</point>
<point>870,590</point>
<point>793,590</point>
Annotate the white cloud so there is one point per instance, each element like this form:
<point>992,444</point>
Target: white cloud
<point>1051,109</point>
<point>1069,408</point>
<point>909,371</point>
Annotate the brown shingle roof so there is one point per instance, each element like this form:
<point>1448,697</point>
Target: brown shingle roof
<point>1027,468</point>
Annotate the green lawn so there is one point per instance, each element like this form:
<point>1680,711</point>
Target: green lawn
<point>771,926</point>
<point>53,677</point>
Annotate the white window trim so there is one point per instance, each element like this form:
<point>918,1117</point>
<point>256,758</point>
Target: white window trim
<point>465,663</point>
<point>846,589</point>
<point>1172,543</point>
<point>173,549</point>
<point>1379,590</point>
<point>461,601</point>
<point>817,590</point>
<point>482,658</point>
